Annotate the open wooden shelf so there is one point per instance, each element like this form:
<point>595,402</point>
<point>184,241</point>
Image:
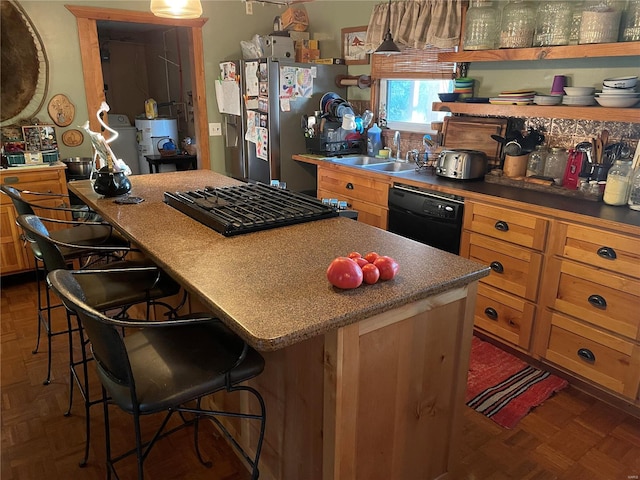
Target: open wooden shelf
<point>618,49</point>
<point>555,111</point>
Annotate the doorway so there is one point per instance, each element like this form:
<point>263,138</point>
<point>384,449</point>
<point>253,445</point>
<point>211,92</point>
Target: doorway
<point>87,19</point>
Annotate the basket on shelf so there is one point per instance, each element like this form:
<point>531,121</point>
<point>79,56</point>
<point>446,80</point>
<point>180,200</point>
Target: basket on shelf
<point>168,148</point>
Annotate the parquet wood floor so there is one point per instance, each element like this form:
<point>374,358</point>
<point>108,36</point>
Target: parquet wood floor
<point>572,436</point>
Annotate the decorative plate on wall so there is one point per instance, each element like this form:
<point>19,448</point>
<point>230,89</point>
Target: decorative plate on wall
<point>72,138</point>
<point>23,94</point>
<point>61,110</point>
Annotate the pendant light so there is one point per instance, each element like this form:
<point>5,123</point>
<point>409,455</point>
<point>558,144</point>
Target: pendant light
<point>388,46</point>
<point>176,8</point>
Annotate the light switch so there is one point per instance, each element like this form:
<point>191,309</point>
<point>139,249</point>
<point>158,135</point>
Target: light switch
<point>215,129</point>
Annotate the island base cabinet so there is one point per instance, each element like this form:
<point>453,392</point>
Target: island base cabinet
<point>381,399</point>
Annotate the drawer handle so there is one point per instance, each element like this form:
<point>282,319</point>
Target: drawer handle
<point>497,267</point>
<point>491,313</point>
<point>502,226</point>
<point>11,180</point>
<point>597,301</point>
<point>607,252</point>
<point>586,355</point>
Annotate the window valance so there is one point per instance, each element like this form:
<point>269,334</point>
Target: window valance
<point>416,24</point>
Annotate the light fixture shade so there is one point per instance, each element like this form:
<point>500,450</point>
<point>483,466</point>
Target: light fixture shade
<point>176,8</point>
<point>388,46</point>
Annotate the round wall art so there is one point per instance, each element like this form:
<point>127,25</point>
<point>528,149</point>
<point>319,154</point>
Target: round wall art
<point>25,67</point>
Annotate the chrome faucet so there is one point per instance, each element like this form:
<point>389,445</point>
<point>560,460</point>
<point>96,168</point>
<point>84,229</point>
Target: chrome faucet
<point>396,143</point>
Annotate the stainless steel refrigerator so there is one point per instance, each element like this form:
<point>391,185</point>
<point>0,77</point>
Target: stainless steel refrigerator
<point>271,96</point>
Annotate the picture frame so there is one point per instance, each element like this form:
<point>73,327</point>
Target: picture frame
<point>353,50</point>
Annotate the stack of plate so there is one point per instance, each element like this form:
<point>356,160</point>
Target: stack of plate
<point>514,97</point>
<point>463,87</point>
<point>579,96</point>
<point>618,92</point>
<point>547,99</point>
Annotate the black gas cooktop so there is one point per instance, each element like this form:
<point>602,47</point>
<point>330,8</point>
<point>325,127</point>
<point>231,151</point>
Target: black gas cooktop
<point>248,208</point>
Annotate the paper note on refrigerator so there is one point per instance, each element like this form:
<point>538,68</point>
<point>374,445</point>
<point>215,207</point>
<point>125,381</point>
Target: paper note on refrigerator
<point>228,96</point>
<point>262,144</point>
<point>251,78</point>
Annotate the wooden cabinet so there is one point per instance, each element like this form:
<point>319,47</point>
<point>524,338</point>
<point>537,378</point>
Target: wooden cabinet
<point>16,255</point>
<point>511,242</point>
<point>364,193</point>
<point>591,325</point>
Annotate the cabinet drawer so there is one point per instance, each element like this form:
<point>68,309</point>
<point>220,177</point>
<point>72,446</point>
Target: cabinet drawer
<point>354,186</point>
<point>368,213</point>
<point>611,251</point>
<point>601,298</point>
<point>513,268</point>
<point>603,358</point>
<point>504,315</point>
<point>509,225</point>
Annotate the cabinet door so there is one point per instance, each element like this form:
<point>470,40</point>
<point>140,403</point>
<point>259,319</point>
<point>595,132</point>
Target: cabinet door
<point>508,317</point>
<point>368,213</point>
<point>601,249</point>
<point>603,299</point>
<point>514,269</point>
<point>605,359</point>
<point>504,224</point>
<point>12,248</point>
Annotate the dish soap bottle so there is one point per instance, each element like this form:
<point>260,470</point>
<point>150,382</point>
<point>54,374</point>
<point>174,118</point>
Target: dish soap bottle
<point>374,140</point>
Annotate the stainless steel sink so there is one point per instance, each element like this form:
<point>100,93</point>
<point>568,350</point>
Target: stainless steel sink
<point>391,167</point>
<point>359,160</point>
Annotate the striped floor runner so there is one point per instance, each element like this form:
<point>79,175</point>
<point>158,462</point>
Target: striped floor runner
<point>503,387</point>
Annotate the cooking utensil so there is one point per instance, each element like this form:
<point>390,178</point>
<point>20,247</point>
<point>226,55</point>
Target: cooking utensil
<point>587,148</point>
<point>513,148</point>
<point>604,136</point>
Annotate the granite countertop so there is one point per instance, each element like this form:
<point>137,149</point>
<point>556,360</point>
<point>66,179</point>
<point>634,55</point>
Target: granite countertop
<point>552,204</point>
<point>270,286</point>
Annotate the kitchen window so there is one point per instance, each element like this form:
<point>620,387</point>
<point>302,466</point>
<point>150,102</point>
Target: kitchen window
<point>405,104</point>
<point>408,84</point>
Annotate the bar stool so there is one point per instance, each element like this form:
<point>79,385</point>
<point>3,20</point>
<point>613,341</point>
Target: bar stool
<point>162,366</point>
<point>128,283</point>
<point>84,234</point>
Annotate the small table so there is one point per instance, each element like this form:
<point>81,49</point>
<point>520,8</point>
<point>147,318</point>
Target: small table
<point>182,162</point>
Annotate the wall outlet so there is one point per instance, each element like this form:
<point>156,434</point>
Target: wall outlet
<point>215,129</point>
<point>248,7</point>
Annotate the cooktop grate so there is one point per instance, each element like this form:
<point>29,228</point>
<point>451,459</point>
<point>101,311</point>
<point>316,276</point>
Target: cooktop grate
<point>248,208</point>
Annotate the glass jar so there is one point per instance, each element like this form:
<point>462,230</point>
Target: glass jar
<point>556,164</point>
<point>630,23</point>
<point>481,28</point>
<point>537,160</point>
<point>553,24</point>
<point>517,25</point>
<point>634,190</point>
<point>600,21</point>
<point>616,191</point>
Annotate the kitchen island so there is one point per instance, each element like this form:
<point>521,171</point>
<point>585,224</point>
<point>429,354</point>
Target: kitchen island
<point>359,384</point>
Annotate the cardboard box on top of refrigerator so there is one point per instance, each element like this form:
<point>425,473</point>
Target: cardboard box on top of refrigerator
<point>312,44</point>
<point>330,61</point>
<point>307,55</point>
<point>294,18</point>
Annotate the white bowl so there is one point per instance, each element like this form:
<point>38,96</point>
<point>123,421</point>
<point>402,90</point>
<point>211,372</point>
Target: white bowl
<point>616,89</point>
<point>617,94</point>
<point>573,91</point>
<point>616,101</point>
<point>620,82</point>
<point>547,99</point>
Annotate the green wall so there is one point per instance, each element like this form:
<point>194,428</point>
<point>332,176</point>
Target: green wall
<point>228,24</point>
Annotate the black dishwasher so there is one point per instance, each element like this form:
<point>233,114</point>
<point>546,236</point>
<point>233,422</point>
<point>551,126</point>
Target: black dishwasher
<point>429,217</point>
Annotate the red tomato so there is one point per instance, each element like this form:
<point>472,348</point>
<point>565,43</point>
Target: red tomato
<point>371,257</point>
<point>354,255</point>
<point>370,273</point>
<point>344,273</point>
<point>388,267</point>
<point>361,261</point>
